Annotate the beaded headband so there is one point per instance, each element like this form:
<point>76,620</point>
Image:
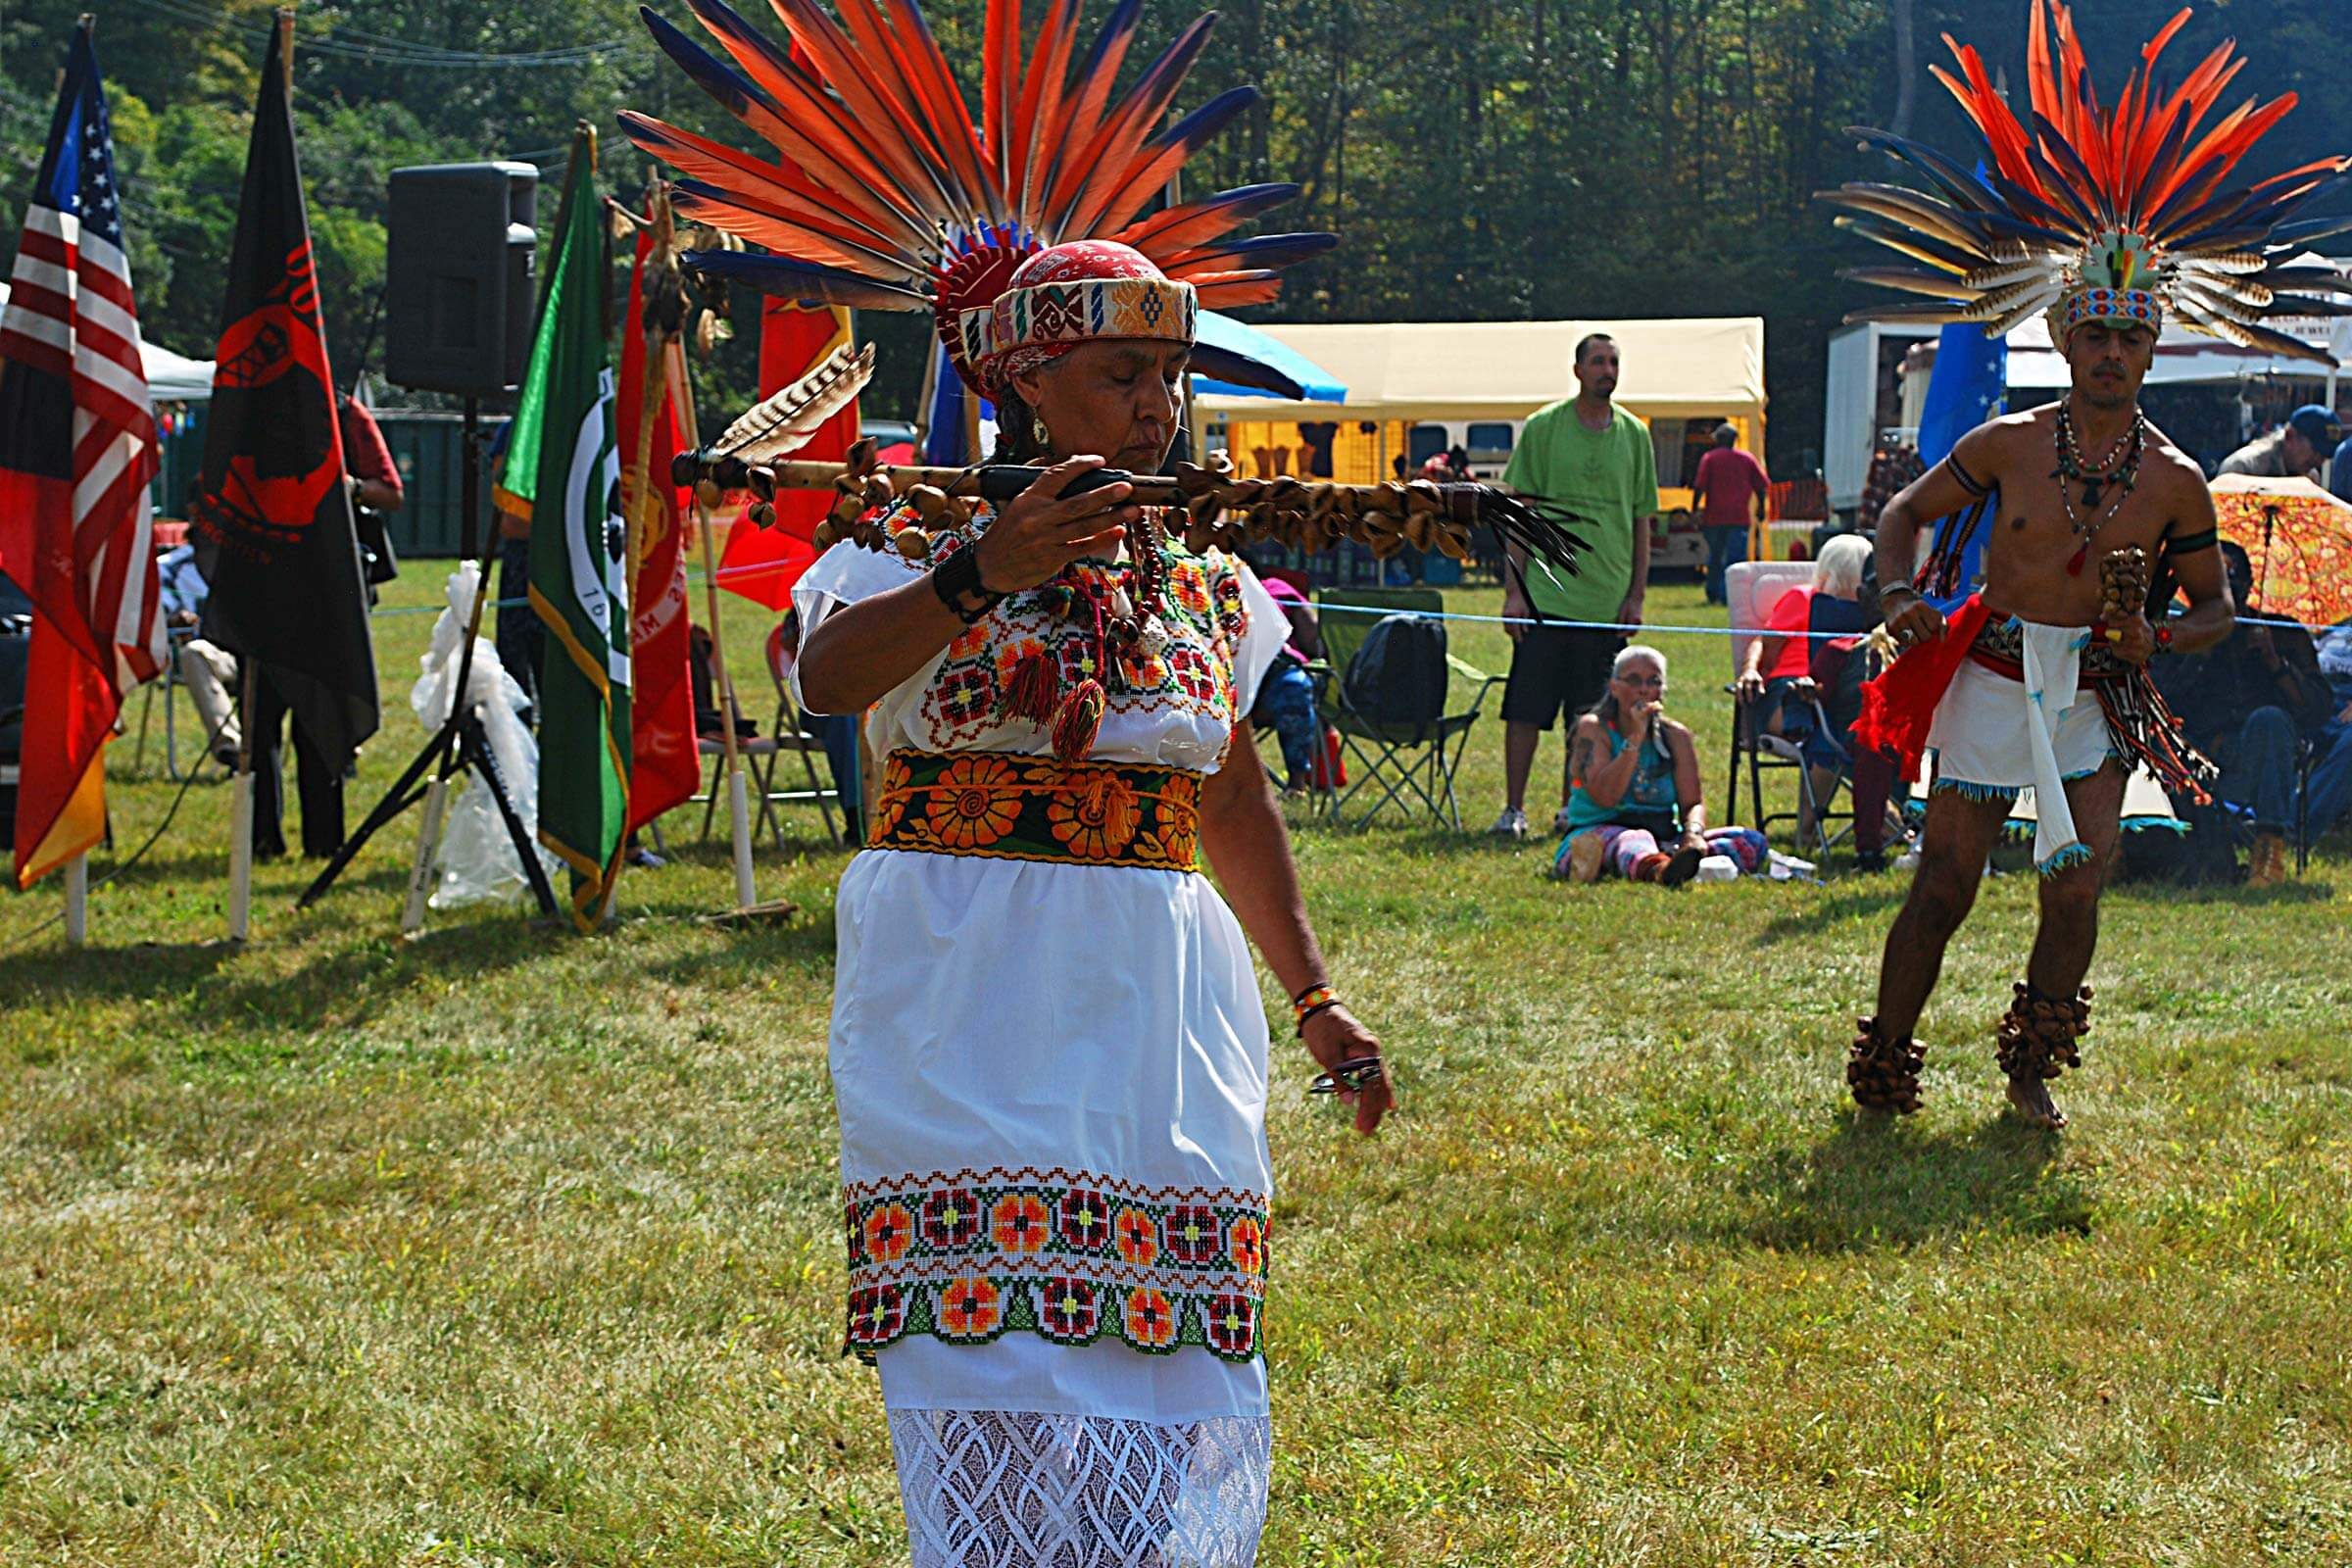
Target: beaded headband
<point>2124,307</point>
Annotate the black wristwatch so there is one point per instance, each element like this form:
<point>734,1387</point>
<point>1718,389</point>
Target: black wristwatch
<point>956,581</point>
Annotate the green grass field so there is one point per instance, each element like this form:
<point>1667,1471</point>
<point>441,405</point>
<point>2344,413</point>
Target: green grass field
<point>508,1246</point>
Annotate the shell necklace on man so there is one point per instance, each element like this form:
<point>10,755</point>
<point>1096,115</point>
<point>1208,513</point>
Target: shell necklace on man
<point>2117,466</point>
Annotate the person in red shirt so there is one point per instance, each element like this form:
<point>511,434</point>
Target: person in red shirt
<point>1778,688</point>
<point>374,477</point>
<point>375,489</point>
<point>1729,491</point>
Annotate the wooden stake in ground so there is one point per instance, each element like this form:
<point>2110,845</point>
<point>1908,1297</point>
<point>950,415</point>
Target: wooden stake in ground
<point>241,816</point>
<point>77,898</point>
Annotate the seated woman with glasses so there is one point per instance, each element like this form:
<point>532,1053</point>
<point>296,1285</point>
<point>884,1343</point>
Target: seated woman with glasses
<point>1634,806</point>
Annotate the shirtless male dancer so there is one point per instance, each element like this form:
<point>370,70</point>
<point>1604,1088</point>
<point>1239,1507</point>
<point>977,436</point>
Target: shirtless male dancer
<point>2041,572</point>
<point>2105,219</point>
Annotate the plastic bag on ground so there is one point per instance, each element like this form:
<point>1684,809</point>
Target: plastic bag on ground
<point>477,859</point>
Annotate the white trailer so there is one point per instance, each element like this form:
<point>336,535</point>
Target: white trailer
<point>1862,396</point>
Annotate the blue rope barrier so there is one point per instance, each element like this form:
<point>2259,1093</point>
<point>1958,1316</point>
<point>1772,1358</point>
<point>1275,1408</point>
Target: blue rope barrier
<point>1651,626</point>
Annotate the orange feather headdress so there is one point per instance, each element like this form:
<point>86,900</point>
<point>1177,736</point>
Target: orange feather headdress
<point>2093,214</point>
<point>884,194</point>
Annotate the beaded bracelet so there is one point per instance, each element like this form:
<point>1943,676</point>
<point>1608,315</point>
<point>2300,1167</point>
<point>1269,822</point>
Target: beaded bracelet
<point>956,580</point>
<point>1319,998</point>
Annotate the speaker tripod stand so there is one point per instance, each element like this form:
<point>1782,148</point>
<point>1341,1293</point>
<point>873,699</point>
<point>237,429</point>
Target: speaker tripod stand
<point>459,745</point>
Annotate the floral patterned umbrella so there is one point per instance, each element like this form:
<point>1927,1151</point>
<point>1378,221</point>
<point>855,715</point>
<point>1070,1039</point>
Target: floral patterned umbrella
<point>2298,537</point>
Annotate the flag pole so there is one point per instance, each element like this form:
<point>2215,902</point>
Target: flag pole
<point>240,815</point>
<point>78,870</point>
<point>649,380</point>
<point>738,811</point>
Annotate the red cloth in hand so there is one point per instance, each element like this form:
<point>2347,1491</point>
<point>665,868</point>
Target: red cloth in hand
<point>1899,706</point>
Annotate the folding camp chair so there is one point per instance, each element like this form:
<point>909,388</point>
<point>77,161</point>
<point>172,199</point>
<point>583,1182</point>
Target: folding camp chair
<point>164,683</point>
<point>792,734</point>
<point>1418,759</point>
<point>759,753</point>
<point>1752,588</point>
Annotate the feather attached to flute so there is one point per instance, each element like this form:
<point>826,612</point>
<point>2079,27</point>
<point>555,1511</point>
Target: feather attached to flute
<point>784,424</point>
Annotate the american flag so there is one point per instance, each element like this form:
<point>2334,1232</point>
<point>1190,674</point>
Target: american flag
<point>76,454</point>
<point>72,321</point>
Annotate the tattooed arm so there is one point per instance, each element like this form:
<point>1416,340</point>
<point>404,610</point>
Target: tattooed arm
<point>1604,777</point>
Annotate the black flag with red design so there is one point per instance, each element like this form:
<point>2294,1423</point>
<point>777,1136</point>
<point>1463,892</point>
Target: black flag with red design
<point>286,585</point>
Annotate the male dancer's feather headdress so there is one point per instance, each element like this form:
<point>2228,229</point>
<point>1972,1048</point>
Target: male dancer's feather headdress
<point>884,194</point>
<point>2094,214</point>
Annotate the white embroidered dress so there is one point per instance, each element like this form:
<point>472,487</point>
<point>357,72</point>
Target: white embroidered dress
<point>1050,1080</point>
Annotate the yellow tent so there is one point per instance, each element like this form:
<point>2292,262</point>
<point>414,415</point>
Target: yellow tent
<point>1399,373</point>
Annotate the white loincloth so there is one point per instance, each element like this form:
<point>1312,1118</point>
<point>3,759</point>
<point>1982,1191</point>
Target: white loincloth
<point>1994,736</point>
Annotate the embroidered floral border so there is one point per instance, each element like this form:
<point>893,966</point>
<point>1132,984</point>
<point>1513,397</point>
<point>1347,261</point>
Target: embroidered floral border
<point>1004,806</point>
<point>1205,616</point>
<point>1067,1255</point>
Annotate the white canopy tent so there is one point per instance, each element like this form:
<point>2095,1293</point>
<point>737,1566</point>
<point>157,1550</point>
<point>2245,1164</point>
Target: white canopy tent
<point>1507,369</point>
<point>174,378</point>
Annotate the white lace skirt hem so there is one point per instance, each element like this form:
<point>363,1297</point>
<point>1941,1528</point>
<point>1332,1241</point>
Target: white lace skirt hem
<point>1017,1489</point>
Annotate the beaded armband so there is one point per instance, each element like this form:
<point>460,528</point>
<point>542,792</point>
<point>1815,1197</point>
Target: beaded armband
<point>1968,481</point>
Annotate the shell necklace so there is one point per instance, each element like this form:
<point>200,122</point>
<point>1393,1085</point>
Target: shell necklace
<point>2117,466</point>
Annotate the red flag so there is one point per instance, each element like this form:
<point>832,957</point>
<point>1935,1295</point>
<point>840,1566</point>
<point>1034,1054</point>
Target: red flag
<point>76,453</point>
<point>763,563</point>
<point>667,765</point>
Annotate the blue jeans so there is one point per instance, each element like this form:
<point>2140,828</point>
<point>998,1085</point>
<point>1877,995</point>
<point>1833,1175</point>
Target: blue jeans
<point>1724,547</point>
<point>2330,786</point>
<point>1286,700</point>
<point>2262,769</point>
<point>521,637</point>
<point>840,734</point>
<point>1780,705</point>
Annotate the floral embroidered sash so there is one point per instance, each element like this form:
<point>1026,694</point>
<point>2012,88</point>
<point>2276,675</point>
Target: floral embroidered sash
<point>1008,806</point>
<point>1069,1256</point>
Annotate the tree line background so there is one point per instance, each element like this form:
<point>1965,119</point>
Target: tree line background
<point>1481,159</point>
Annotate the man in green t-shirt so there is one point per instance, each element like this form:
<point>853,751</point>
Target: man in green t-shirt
<point>1592,458</point>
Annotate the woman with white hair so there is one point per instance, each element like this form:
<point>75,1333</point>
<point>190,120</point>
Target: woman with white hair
<point>1779,685</point>
<point>1633,802</point>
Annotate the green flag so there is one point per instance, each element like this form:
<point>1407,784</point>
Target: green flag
<point>562,463</point>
